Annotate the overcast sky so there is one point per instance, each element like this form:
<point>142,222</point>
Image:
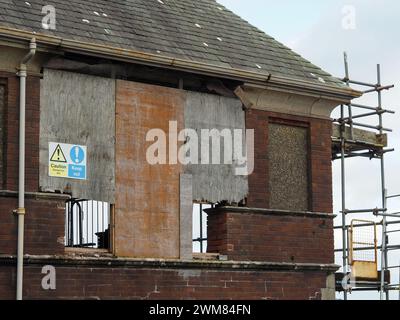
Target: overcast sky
<point>315,30</point>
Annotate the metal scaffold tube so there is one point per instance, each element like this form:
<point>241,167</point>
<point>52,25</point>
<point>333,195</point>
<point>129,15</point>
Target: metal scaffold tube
<point>343,182</point>
<point>350,148</point>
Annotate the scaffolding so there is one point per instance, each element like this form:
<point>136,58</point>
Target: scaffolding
<point>351,141</point>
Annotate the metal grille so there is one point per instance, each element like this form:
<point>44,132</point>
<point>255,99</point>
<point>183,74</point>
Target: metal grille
<point>363,241</point>
<point>87,224</point>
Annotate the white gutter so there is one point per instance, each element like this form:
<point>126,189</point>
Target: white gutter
<point>21,174</point>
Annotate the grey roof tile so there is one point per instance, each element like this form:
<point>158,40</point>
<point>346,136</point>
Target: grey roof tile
<point>169,28</point>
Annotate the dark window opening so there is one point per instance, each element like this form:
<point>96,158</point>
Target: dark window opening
<point>87,224</point>
<point>200,227</point>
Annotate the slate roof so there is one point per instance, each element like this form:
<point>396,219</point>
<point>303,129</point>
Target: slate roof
<point>195,30</point>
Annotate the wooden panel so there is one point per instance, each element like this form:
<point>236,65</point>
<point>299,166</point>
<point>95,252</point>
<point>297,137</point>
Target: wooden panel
<point>147,196</point>
<point>79,109</point>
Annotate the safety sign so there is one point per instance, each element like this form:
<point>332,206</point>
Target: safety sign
<point>67,161</point>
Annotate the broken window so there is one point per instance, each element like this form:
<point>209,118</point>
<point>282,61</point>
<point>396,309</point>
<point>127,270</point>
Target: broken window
<point>200,227</point>
<point>87,224</point>
<point>288,155</point>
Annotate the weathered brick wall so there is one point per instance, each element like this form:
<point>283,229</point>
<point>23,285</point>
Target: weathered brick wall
<point>250,235</point>
<point>44,224</point>
<point>11,120</point>
<point>320,158</point>
<point>96,282</point>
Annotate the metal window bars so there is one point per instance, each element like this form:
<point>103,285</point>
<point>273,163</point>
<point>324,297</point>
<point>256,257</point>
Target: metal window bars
<point>87,224</point>
<point>349,147</point>
<point>200,227</point>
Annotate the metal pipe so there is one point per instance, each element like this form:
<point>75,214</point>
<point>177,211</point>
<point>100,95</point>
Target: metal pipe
<point>201,227</point>
<point>380,88</point>
<point>22,74</point>
<point>369,224</point>
<point>392,248</point>
<point>388,215</point>
<point>376,210</point>
<point>379,127</point>
<point>394,196</point>
<point>361,83</point>
<point>350,111</point>
<point>343,182</point>
<point>363,115</point>
<point>363,106</point>
<point>393,231</point>
<point>384,257</point>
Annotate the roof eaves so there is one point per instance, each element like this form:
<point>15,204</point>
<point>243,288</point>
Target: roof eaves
<point>49,42</point>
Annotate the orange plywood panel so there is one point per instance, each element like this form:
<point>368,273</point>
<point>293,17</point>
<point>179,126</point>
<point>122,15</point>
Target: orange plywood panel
<point>147,197</point>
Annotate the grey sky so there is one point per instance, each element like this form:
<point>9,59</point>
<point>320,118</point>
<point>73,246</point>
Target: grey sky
<point>314,29</point>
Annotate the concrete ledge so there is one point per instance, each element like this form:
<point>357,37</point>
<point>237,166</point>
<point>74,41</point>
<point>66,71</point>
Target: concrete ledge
<point>36,195</point>
<point>104,262</point>
<point>245,210</point>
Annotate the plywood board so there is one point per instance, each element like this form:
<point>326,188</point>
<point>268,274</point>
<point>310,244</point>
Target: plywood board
<point>147,210</point>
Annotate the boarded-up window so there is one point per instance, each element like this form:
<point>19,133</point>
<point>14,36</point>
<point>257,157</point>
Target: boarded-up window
<point>79,109</point>
<point>2,110</point>
<point>288,167</point>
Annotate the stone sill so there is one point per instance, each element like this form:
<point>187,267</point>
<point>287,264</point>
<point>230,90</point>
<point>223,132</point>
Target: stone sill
<point>108,262</point>
<point>246,210</point>
<point>86,252</point>
<point>36,195</point>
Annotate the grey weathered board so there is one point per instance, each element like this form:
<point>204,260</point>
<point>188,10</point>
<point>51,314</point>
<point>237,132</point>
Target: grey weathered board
<point>214,183</point>
<point>79,109</point>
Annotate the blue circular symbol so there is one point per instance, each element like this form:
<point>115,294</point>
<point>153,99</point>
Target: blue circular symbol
<point>77,154</point>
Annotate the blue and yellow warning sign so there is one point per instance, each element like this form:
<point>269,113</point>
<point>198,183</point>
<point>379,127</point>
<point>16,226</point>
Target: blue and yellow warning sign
<point>67,161</point>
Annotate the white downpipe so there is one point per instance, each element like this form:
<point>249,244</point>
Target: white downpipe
<point>21,174</point>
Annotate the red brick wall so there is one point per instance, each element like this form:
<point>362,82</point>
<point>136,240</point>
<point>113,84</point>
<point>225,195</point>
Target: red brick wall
<point>11,117</point>
<point>321,165</point>
<point>149,283</point>
<point>270,236</point>
<point>44,225</point>
<point>258,181</point>
<point>320,158</point>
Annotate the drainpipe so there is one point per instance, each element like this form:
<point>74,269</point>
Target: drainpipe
<point>21,174</point>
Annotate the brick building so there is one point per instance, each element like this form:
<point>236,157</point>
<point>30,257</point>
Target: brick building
<point>108,73</point>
